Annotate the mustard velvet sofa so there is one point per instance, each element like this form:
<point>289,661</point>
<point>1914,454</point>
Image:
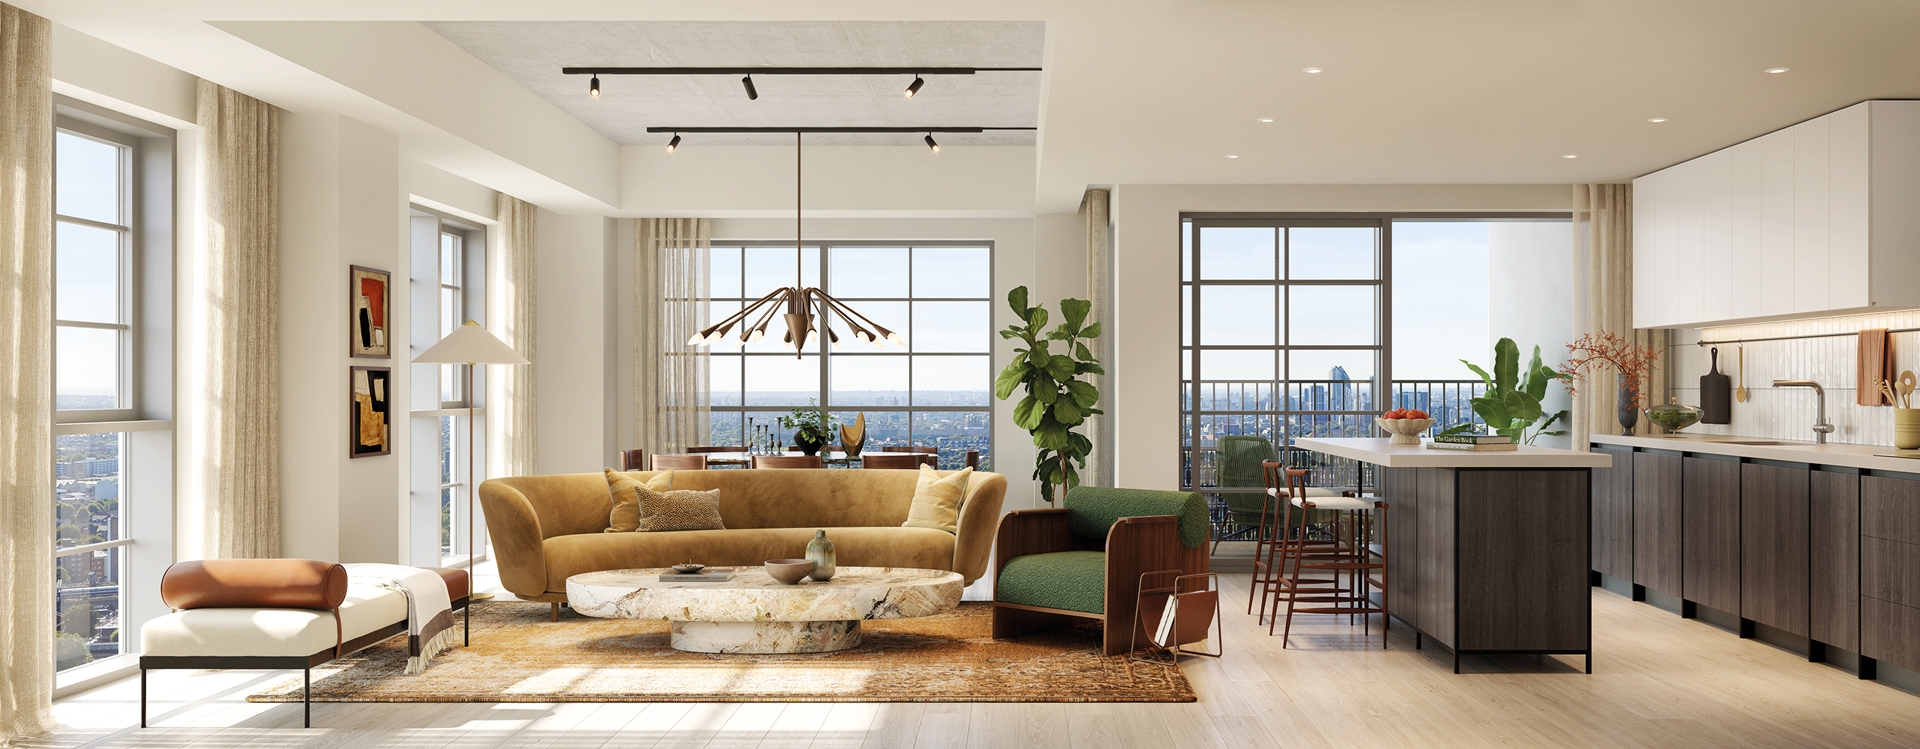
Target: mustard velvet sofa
<point>546,529</point>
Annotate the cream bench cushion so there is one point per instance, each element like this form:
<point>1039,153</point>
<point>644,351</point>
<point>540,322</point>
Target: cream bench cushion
<point>271,632</point>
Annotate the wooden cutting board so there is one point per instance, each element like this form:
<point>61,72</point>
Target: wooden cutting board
<point>1716,394</point>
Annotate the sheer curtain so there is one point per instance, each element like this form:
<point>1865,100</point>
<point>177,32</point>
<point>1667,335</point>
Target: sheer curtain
<point>238,441</point>
<point>512,449</point>
<point>1603,301</point>
<point>26,376</point>
<point>672,267</point>
<point>1099,291</point>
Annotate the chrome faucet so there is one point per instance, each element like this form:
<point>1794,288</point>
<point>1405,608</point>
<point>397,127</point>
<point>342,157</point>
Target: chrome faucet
<point>1820,426</point>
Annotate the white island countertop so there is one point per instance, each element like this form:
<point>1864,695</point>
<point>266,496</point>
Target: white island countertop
<point>1378,451</point>
<point>1870,457</point>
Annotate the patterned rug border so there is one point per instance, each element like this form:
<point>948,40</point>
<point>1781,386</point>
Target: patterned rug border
<point>367,677</point>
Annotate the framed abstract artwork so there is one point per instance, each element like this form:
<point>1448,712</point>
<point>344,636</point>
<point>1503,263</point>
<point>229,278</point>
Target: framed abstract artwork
<point>367,297</point>
<point>369,430</point>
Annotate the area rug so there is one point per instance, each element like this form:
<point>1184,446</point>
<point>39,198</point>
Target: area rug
<point>518,655</point>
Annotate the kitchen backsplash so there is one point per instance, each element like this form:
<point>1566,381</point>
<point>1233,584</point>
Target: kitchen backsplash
<point>1788,413</point>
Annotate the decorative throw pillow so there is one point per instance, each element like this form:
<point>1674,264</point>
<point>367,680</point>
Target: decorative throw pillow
<point>936,500</point>
<point>626,503</point>
<point>679,510</point>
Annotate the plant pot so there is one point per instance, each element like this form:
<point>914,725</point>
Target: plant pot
<point>807,443</point>
<point>1623,407</point>
<point>1906,428</point>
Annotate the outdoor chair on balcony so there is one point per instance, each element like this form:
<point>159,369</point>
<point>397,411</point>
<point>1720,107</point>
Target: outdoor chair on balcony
<point>1248,512</point>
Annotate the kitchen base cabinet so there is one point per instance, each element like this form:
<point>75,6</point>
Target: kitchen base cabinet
<point>1774,546</point>
<point>1710,545</point>
<point>1657,521</point>
<point>1890,570</point>
<point>1612,543</point>
<point>1890,632</point>
<point>1834,559</point>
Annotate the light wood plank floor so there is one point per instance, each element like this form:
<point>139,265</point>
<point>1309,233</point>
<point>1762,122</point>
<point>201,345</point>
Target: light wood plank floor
<point>1658,681</point>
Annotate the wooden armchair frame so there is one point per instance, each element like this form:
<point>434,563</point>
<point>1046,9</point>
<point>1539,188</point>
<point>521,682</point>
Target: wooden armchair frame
<point>1134,546</point>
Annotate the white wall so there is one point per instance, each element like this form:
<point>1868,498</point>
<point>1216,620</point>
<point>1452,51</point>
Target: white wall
<point>571,360</point>
<point>1530,269</point>
<point>841,181</point>
<point>94,71</point>
<point>1146,240</point>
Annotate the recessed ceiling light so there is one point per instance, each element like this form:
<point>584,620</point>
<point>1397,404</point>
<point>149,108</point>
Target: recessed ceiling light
<point>1313,70</point>
<point>1656,119</point>
<point>1778,71</point>
<point>1570,156</point>
<point>1233,156</point>
<point>1265,119</point>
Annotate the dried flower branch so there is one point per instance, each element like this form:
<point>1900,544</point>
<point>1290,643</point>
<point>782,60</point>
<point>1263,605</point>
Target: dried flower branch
<point>1595,351</point>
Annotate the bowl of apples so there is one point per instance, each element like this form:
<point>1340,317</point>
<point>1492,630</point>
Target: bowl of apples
<point>1404,424</point>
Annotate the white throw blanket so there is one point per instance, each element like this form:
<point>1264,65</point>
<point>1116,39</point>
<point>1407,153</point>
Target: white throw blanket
<point>429,611</point>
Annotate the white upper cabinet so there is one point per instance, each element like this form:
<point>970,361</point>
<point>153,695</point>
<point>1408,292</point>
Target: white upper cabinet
<point>1820,218</point>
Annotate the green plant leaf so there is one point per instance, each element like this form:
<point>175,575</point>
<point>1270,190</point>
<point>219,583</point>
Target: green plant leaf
<point>1091,331</point>
<point>1506,365</point>
<point>1084,394</point>
<point>1037,319</point>
<point>1047,395</point>
<point>1075,310</point>
<point>1012,333</point>
<point>1521,406</point>
<point>1484,377</point>
<point>1061,367</point>
<point>1087,366</point>
<point>1067,412</point>
<point>1080,350</point>
<point>1017,299</point>
<point>1535,383</point>
<point>1027,413</point>
<point>1009,379</point>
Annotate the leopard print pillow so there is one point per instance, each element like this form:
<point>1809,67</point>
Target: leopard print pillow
<point>679,510</point>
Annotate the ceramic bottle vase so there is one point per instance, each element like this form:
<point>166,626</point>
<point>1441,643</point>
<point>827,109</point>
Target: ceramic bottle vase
<point>820,553</point>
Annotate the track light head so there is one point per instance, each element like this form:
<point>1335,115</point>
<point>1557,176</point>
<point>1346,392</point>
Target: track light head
<point>935,147</point>
<point>747,81</point>
<point>593,87</point>
<point>914,87</point>
<point>673,144</point>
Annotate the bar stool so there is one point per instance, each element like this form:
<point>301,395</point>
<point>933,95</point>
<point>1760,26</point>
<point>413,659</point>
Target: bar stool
<point>1356,557</point>
<point>1284,485</point>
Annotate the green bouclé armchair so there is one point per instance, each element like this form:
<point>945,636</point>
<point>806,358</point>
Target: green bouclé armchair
<point>1056,567</point>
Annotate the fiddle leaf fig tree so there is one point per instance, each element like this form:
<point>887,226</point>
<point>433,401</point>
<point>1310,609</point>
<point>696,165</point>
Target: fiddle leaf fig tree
<point>1046,369</point>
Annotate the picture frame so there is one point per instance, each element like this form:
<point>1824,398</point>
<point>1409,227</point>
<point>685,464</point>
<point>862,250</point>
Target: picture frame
<point>369,297</point>
<point>369,399</point>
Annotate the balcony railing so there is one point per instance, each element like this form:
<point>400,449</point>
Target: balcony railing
<point>1285,411</point>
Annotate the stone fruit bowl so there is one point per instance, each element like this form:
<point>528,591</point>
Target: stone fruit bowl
<point>1404,431</point>
<point>789,571</point>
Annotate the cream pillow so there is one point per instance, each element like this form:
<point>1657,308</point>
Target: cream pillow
<point>679,510</point>
<point>626,500</point>
<point>936,500</point>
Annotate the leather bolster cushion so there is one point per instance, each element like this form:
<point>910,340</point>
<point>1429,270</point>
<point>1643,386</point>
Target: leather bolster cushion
<point>254,583</point>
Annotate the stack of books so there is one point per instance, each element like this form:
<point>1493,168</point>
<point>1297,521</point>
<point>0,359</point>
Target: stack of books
<point>1479,443</point>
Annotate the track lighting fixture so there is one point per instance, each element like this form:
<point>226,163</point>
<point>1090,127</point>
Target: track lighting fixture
<point>914,87</point>
<point>748,82</point>
<point>673,144</point>
<point>593,87</point>
<point>932,145</point>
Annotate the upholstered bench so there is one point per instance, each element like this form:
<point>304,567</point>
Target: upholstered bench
<point>271,614</point>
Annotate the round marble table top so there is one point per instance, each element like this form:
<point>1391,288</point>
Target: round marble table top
<point>854,593</point>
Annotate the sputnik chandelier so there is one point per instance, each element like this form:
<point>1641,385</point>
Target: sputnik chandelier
<point>798,303</point>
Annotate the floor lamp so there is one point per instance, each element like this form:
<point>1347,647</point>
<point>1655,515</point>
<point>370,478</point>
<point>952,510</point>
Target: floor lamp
<point>471,345</point>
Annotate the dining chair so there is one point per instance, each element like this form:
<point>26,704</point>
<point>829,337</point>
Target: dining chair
<point>826,449</point>
<point>717,449</point>
<point>973,459</point>
<point>632,460</point>
<point>787,461</point>
<point>909,461</point>
<point>679,462</point>
<point>908,449</point>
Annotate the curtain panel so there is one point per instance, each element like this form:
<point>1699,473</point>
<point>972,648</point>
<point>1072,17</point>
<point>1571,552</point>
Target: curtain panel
<point>238,444</point>
<point>1603,303</point>
<point>672,268</point>
<point>26,376</point>
<point>1099,471</point>
<point>512,449</point>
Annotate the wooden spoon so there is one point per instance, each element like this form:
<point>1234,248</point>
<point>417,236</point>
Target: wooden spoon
<point>1906,389</point>
<point>1740,394</point>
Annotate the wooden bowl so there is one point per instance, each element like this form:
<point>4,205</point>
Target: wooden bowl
<point>789,571</point>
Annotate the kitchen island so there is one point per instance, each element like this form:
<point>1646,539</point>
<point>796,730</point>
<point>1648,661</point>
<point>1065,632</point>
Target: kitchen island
<point>1486,551</point>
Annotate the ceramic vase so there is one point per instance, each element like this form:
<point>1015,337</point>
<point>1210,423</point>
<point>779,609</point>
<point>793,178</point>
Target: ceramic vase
<point>820,553</point>
<point>1624,408</point>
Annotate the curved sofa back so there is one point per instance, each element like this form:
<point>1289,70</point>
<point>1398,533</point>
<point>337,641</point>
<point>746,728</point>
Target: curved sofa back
<point>572,503</point>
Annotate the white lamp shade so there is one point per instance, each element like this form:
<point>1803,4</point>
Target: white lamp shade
<point>470,344</point>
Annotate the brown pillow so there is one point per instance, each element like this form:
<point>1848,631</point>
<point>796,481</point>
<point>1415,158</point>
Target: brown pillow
<point>625,516</point>
<point>679,510</point>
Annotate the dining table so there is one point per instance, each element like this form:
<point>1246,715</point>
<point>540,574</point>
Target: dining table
<point>745,459</point>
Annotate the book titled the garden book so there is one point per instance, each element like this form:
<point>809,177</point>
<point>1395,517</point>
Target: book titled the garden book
<point>1473,439</point>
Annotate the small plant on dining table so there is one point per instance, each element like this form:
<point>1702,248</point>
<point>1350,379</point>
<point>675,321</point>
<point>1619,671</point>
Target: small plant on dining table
<point>811,426</point>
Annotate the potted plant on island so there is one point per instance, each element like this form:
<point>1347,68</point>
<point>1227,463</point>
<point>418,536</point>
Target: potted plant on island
<point>1511,404</point>
<point>812,429</point>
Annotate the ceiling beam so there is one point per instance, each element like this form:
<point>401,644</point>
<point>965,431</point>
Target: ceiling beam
<point>830,129</point>
<point>790,71</point>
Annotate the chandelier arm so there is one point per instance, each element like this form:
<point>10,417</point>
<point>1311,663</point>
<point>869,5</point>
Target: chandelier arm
<point>837,304</point>
<point>772,303</point>
<point>736,317</point>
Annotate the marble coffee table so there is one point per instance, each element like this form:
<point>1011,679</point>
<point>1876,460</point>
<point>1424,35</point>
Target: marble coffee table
<point>754,613</point>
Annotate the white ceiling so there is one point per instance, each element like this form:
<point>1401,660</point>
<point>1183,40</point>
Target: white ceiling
<point>532,54</point>
<point>1161,91</point>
